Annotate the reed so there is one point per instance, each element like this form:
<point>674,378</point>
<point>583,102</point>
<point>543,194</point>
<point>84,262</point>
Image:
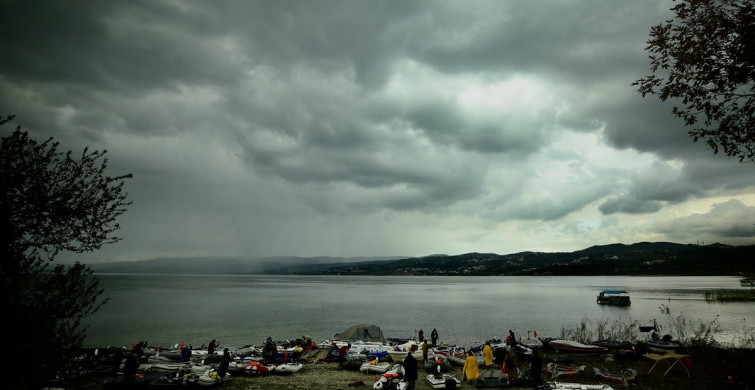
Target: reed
<point>724,295</point>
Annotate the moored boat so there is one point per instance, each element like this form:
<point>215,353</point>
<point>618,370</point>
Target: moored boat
<point>614,297</point>
<point>434,362</point>
<point>256,369</point>
<point>575,386</point>
<point>286,368</point>
<point>623,375</point>
<point>556,370</point>
<point>661,346</point>
<point>574,347</point>
<point>374,367</point>
<point>399,352</point>
<point>492,377</point>
<point>442,381</point>
<point>204,380</point>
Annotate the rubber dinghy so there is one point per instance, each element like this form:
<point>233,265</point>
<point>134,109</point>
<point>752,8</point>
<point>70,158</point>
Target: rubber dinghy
<point>374,367</point>
<point>623,375</point>
<point>256,369</point>
<point>574,347</point>
<point>492,377</point>
<point>286,368</point>
<point>205,380</point>
<point>445,381</point>
<point>575,386</point>
<point>556,370</point>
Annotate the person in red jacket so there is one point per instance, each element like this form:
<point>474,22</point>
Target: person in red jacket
<point>342,353</point>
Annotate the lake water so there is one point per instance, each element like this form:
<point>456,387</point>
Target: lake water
<point>241,310</point>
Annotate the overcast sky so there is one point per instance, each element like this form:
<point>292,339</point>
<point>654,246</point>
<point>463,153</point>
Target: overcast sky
<point>370,128</point>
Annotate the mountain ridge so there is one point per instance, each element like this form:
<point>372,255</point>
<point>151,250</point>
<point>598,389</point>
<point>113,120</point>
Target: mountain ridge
<point>642,258</point>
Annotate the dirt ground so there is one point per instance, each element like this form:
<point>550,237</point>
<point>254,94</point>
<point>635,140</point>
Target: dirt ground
<point>711,369</point>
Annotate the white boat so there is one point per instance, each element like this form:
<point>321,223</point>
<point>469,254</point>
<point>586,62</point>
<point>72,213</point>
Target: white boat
<point>575,347</point>
<point>575,386</point>
<point>166,368</point>
<point>531,343</point>
<point>662,346</point>
<point>200,369</point>
<point>373,367</point>
<point>399,352</point>
<point>439,381</point>
<point>286,368</point>
<point>236,367</point>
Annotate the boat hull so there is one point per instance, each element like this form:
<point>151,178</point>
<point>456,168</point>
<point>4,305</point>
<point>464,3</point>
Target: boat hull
<point>441,381</point>
<point>573,347</point>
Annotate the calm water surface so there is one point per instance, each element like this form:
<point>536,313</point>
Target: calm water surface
<point>242,310</point>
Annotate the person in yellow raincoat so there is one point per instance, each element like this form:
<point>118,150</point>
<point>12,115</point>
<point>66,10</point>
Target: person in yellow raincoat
<point>470,372</point>
<point>487,352</point>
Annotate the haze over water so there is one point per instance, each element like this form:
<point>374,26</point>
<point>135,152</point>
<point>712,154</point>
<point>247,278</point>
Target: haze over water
<point>241,310</point>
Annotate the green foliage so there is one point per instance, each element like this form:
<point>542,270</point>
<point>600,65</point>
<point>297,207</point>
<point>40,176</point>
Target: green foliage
<point>50,202</point>
<point>705,59</point>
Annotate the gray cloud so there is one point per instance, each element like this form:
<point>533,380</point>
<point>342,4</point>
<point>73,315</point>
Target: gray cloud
<point>318,127</point>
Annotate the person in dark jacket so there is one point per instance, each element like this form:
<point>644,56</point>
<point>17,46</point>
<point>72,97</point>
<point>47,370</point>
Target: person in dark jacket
<point>269,352</point>
<point>211,347</point>
<point>117,360</point>
<point>434,337</point>
<point>129,371</point>
<point>536,366</point>
<point>410,369</point>
<point>224,362</point>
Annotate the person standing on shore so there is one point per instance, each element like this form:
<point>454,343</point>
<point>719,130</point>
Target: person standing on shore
<point>307,342</point>
<point>410,369</point>
<point>512,339</point>
<point>471,371</point>
<point>211,347</point>
<point>268,355</point>
<point>421,336</point>
<point>343,352</point>
<point>129,371</point>
<point>512,366</point>
<point>425,350</point>
<point>224,362</point>
<point>536,366</point>
<point>117,360</point>
<point>487,352</point>
<point>434,336</point>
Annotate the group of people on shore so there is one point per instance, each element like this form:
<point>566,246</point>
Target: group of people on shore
<point>470,371</point>
<point>133,358</point>
<point>510,367</point>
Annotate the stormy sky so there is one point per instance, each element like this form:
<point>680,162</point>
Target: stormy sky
<point>370,128</point>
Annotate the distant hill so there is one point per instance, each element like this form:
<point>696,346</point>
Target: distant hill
<point>644,258</point>
<point>230,265</point>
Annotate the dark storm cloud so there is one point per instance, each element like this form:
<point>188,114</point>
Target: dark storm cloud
<point>325,121</point>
